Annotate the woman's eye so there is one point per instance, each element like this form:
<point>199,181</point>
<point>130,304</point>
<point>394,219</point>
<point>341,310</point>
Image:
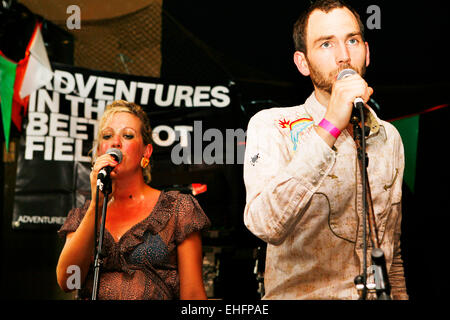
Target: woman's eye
<point>128,136</point>
<point>106,136</point>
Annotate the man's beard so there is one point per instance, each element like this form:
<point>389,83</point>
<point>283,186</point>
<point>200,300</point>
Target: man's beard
<point>325,83</point>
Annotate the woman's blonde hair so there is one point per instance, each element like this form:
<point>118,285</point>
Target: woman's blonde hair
<point>146,130</point>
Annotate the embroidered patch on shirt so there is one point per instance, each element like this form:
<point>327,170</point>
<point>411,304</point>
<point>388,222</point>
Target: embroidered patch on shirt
<point>296,127</point>
<point>254,159</point>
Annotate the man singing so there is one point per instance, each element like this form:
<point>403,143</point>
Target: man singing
<point>302,176</point>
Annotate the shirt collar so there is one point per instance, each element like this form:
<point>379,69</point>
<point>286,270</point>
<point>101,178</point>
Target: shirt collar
<point>314,108</point>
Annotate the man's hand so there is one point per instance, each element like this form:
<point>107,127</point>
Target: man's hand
<point>340,107</point>
<point>343,94</point>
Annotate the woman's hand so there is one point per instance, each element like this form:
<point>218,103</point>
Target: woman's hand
<point>102,161</point>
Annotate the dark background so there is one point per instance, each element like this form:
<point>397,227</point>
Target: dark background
<point>250,43</point>
<point>409,56</point>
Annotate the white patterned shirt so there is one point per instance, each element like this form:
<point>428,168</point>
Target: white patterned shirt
<point>305,200</point>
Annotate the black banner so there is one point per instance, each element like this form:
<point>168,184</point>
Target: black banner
<point>194,127</point>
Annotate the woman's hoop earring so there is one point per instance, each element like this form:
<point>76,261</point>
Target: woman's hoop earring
<point>144,162</point>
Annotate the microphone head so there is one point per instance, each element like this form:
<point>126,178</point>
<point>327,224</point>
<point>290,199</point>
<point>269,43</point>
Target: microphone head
<point>116,153</point>
<point>345,73</point>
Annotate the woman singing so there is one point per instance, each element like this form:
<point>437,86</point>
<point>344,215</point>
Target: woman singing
<point>152,242</point>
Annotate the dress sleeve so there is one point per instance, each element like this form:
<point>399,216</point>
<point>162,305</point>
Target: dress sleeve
<point>190,218</point>
<point>73,220</point>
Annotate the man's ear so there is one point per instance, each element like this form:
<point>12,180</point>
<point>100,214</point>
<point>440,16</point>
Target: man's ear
<point>367,54</point>
<point>301,63</point>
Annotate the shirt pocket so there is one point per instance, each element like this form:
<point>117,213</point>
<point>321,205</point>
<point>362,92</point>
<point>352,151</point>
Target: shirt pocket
<point>382,192</point>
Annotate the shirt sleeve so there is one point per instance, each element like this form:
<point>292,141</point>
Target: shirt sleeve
<point>279,186</point>
<point>73,220</point>
<point>396,272</point>
<point>190,218</point>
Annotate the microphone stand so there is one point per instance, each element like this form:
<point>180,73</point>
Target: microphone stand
<point>382,285</point>
<point>106,188</point>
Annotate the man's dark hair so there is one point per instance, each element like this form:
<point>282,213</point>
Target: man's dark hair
<point>299,32</point>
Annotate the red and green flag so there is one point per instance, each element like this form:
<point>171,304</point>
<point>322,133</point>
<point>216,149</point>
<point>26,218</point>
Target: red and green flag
<point>19,80</point>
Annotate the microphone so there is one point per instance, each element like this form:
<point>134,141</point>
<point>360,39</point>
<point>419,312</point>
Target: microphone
<point>104,172</point>
<point>358,102</point>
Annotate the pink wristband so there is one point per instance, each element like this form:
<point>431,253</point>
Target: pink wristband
<point>327,125</point>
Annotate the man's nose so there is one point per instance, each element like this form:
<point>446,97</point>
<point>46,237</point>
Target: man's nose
<point>342,55</point>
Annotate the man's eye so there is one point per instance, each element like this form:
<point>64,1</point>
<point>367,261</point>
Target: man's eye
<point>353,41</point>
<point>326,45</point>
